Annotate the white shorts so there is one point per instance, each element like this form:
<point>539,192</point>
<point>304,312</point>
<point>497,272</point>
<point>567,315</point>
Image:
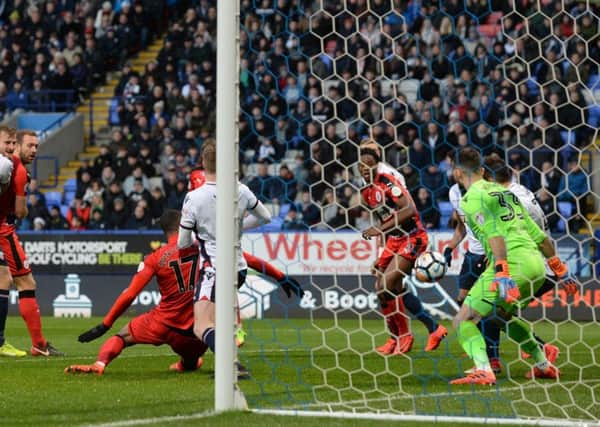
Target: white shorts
<point>205,288</point>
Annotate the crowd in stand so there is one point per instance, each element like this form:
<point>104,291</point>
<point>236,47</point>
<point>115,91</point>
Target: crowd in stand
<point>54,52</point>
<point>519,91</point>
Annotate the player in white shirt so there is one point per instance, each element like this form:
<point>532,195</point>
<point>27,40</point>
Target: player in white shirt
<point>474,262</point>
<point>198,216</point>
<point>497,170</point>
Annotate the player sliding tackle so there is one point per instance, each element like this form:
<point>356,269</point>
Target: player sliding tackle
<point>170,322</point>
<point>199,215</point>
<point>516,269</point>
<point>405,239</point>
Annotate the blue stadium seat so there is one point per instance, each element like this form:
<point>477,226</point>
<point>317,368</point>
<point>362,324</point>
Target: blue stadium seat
<point>594,82</point>
<point>64,209</point>
<point>284,209</point>
<point>69,196</point>
<point>446,212</point>
<point>70,185</point>
<point>594,116</point>
<point>53,198</point>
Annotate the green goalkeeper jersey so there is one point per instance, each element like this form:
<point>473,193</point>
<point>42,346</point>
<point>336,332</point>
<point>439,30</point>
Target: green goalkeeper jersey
<point>491,210</point>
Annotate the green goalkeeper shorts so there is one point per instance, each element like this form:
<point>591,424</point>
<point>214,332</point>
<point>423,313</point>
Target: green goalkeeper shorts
<point>528,272</point>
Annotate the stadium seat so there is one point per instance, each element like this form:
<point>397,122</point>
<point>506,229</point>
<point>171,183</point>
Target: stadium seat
<point>70,185</point>
<point>64,209</point>
<point>445,209</point>
<point>594,82</point>
<point>284,209</point>
<point>566,211</point>
<point>594,116</point>
<point>69,196</point>
<point>53,198</point>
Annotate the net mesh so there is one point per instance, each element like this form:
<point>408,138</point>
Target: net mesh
<point>421,78</point>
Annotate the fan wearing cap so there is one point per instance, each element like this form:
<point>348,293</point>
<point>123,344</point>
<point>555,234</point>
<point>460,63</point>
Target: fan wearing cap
<point>397,221</point>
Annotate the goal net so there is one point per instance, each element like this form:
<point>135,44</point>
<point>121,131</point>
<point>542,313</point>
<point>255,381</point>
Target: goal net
<point>420,78</point>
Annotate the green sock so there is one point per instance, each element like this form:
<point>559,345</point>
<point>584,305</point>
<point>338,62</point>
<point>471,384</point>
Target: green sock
<point>473,343</point>
<point>519,331</point>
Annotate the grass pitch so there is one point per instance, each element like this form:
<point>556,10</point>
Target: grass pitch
<point>294,364</point>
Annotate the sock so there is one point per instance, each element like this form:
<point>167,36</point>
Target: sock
<point>263,267</point>
<point>395,317</point>
<point>521,333</point>
<point>388,309</point>
<point>30,312</point>
<point>473,344</point>
<point>540,341</point>
<point>110,349</point>
<point>209,338</point>
<point>491,333</point>
<point>3,312</point>
<point>413,304</point>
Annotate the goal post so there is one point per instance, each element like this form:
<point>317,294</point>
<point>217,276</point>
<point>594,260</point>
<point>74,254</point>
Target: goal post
<point>420,78</point>
<point>227,201</point>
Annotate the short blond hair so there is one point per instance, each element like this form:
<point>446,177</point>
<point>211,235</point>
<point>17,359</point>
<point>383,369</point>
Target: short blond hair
<point>7,129</point>
<point>209,156</point>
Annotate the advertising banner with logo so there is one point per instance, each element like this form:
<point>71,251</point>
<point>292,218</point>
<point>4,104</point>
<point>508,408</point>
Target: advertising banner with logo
<point>72,270</point>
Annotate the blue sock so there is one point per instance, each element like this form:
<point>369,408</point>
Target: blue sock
<point>413,304</point>
<point>3,312</point>
<point>209,338</point>
<point>491,332</point>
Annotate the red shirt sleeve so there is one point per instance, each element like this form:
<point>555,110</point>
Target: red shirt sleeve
<point>20,182</point>
<point>146,271</point>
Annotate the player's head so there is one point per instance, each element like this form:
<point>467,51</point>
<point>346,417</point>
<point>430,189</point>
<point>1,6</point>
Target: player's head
<point>369,159</point>
<point>169,221</point>
<point>467,166</point>
<point>8,139</point>
<point>27,145</point>
<point>496,169</point>
<point>209,156</point>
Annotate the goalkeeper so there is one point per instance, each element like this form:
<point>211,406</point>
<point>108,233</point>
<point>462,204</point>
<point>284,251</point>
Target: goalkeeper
<point>516,271</point>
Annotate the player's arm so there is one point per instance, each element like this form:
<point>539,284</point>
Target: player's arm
<point>258,215</point>
<point>187,225</point>
<point>6,170</point>
<point>287,283</point>
<point>137,284</point>
<point>460,231</point>
<point>20,185</point>
<point>547,248</point>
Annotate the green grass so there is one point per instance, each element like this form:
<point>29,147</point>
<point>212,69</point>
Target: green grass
<point>294,364</point>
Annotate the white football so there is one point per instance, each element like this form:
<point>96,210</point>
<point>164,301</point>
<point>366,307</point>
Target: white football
<point>430,266</point>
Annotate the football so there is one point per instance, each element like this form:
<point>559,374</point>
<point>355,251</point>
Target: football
<point>430,266</point>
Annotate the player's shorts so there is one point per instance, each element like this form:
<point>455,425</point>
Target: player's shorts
<point>205,289</point>
<point>528,272</point>
<point>148,329</point>
<point>472,267</point>
<point>14,255</point>
<point>409,247</point>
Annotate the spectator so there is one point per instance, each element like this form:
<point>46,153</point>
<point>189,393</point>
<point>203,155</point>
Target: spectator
<point>574,188</point>
<point>138,193</point>
<point>176,197</point>
<point>34,188</point>
<point>39,224</point>
<point>77,224</point>
<point>427,208</point>
<point>57,221</point>
<point>97,221</point>
<point>95,189</point>
<point>158,203</point>
<point>548,205</point>
<point>363,221</point>
<point>36,209</point>
<point>293,221</point>
<point>262,184</point>
<point>285,186</point>
<point>79,209</point>
<point>117,215</point>
<point>136,174</point>
<point>140,220</point>
<point>551,178</point>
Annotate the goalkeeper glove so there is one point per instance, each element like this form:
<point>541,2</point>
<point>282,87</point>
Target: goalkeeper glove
<point>289,285</point>
<point>96,332</point>
<point>565,278</point>
<point>504,284</point>
<point>448,255</point>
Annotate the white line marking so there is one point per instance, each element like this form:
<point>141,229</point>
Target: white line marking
<point>391,398</point>
<point>153,420</point>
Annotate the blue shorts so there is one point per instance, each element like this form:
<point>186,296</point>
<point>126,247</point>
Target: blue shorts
<point>473,266</point>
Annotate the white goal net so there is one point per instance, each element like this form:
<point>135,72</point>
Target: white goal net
<point>519,78</point>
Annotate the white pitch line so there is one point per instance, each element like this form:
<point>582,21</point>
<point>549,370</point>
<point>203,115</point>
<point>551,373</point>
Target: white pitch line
<point>152,420</point>
<point>436,395</point>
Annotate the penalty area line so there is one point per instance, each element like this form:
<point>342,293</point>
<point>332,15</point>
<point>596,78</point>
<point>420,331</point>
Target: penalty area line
<point>152,420</point>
